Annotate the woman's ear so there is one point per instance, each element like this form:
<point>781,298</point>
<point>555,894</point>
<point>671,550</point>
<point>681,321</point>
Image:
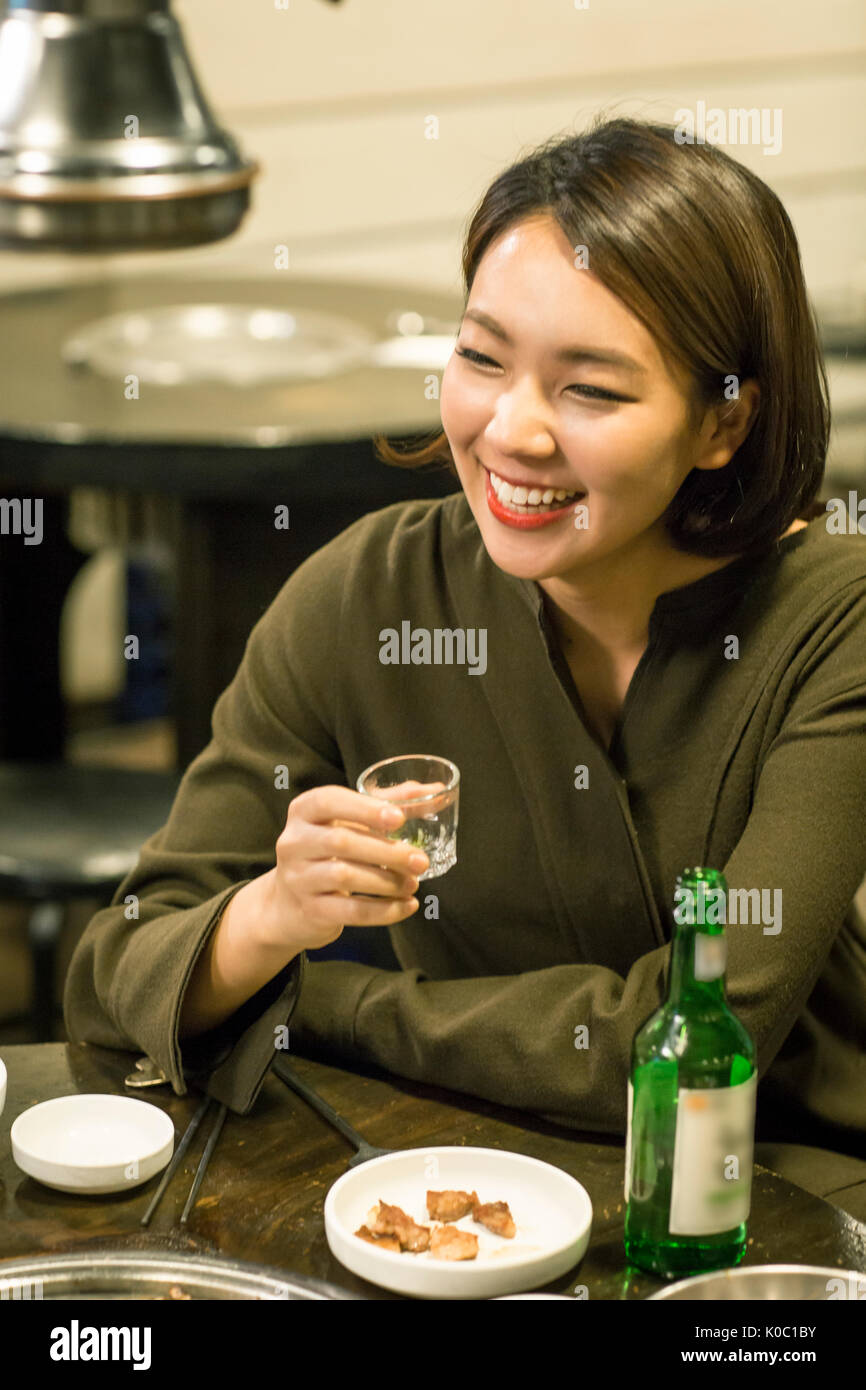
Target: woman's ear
<point>725,426</point>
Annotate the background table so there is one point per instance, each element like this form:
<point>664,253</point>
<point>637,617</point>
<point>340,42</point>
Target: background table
<point>199,467</point>
<point>263,1193</point>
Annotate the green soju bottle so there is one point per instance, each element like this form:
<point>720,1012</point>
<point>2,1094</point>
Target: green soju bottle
<point>691,1104</point>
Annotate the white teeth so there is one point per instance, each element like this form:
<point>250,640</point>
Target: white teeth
<point>518,497</point>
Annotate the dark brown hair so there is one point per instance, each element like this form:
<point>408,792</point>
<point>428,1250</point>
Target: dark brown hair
<point>704,254</point>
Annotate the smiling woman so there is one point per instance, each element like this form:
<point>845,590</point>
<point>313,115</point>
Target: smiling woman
<point>636,410</point>
<point>636,397</point>
<point>621,235</point>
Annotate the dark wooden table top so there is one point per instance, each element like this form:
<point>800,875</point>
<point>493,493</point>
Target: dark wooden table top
<point>263,1194</point>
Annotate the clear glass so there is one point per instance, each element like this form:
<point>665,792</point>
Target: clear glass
<point>427,790</point>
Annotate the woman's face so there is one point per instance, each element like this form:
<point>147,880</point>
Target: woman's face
<point>615,431</point>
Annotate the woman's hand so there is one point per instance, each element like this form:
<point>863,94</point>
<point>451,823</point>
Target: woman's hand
<point>334,846</point>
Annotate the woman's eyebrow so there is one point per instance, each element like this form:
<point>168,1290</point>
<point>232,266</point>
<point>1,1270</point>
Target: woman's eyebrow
<point>608,356</point>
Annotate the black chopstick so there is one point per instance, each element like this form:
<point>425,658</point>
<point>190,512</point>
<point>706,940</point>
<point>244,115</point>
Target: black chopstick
<point>177,1159</point>
<point>203,1163</point>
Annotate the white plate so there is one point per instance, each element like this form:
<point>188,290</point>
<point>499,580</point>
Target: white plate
<point>427,350</point>
<point>98,1143</point>
<point>551,1210</point>
<point>2,1086</point>
<point>238,345</point>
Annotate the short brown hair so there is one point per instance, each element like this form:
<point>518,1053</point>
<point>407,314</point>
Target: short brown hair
<point>702,251</point>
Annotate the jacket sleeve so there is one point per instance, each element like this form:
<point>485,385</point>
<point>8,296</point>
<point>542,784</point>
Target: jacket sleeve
<point>511,1038</point>
<point>129,973</point>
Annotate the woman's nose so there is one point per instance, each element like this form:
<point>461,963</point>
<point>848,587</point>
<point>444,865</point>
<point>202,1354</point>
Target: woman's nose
<point>519,425</point>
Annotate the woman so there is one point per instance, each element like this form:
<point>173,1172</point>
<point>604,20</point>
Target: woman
<point>675,675</point>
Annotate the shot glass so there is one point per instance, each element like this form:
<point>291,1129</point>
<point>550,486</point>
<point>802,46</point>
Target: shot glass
<point>427,790</point>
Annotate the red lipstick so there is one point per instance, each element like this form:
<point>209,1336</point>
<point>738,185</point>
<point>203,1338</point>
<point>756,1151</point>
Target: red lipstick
<point>525,521</point>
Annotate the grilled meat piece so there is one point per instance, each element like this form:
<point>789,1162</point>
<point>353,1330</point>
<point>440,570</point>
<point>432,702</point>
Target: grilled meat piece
<point>386,1220</point>
<point>496,1217</point>
<point>450,1243</point>
<point>383,1242</point>
<point>450,1205</point>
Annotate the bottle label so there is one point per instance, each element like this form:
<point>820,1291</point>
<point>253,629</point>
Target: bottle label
<point>711,956</point>
<point>713,1155</point>
<point>628,1137</point>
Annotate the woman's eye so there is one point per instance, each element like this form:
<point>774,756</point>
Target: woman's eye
<point>591,392</point>
<point>474,356</point>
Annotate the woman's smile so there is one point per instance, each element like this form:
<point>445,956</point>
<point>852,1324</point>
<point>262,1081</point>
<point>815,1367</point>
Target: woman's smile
<point>527,508</point>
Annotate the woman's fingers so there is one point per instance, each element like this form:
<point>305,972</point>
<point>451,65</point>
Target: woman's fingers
<point>343,841</point>
<point>337,863</point>
<point>336,875</point>
<point>356,852</point>
<point>369,912</point>
<point>426,804</point>
<point>403,791</point>
<point>321,805</point>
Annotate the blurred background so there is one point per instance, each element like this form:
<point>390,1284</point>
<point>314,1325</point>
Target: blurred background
<point>167,401</point>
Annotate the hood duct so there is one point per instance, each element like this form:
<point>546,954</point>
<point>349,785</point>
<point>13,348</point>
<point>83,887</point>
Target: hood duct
<point>107,142</point>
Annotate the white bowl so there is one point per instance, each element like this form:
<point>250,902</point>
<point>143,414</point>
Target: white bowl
<point>2,1086</point>
<point>98,1143</point>
<point>551,1210</point>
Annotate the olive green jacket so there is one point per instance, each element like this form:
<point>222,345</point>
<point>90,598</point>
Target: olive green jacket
<point>741,745</point>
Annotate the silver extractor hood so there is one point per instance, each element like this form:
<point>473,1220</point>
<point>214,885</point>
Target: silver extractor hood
<point>107,142</point>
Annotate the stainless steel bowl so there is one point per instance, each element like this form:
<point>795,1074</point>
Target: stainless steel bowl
<point>110,1275</point>
<point>811,1283</point>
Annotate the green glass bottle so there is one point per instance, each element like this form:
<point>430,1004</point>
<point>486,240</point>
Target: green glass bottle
<point>691,1103</point>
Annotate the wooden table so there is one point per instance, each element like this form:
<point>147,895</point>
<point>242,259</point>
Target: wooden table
<point>263,1193</point>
